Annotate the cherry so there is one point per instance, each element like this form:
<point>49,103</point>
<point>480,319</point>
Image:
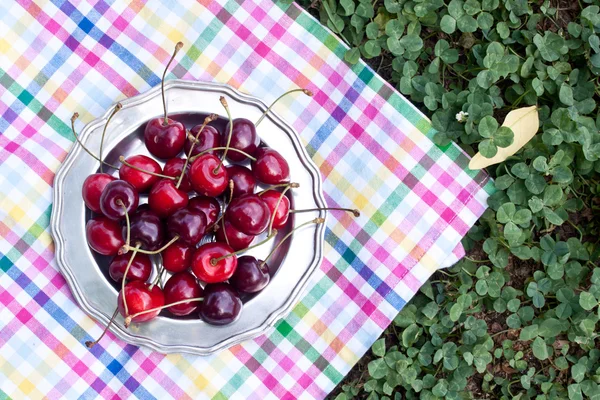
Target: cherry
<point>271,198</point>
<point>182,286</point>
<point>165,198</point>
<point>118,198</point>
<point>207,176</point>
<point>243,137</point>
<point>177,257</point>
<point>270,167</point>
<point>221,304</point>
<point>209,206</point>
<point>173,168</point>
<point>190,226</point>
<point>227,233</point>
<point>140,180</point>
<point>146,228</point>
<point>250,276</point>
<point>165,137</point>
<point>139,297</point>
<point>206,267</point>
<point>93,186</point>
<point>249,214</point>
<point>243,180</point>
<point>208,138</point>
<point>104,235</point>
<point>140,269</point>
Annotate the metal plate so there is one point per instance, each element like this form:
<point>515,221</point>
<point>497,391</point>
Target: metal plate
<point>85,272</point>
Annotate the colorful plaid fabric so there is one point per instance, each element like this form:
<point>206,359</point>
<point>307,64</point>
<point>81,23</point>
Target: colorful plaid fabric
<point>372,146</point>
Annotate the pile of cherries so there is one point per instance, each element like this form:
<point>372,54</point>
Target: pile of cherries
<point>196,238</point>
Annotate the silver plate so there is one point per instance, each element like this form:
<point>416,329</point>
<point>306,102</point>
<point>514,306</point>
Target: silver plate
<point>85,272</point>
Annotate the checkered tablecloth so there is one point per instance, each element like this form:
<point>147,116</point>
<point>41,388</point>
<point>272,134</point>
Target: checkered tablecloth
<point>372,146</point>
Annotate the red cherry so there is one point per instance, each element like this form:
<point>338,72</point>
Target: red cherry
<point>173,168</point>
<point>236,239</point>
<point>209,206</point>
<point>243,180</point>
<point>92,190</point>
<point>140,269</point>
<point>177,257</point>
<point>141,181</point>
<point>164,198</point>
<point>243,137</point>
<point>270,167</point>
<point>190,226</point>
<point>182,286</point>
<point>206,178</point>
<point>208,139</point>
<point>164,140</point>
<point>104,235</point>
<point>205,267</point>
<point>140,298</point>
<point>221,305</point>
<point>251,275</point>
<point>116,194</point>
<point>271,197</point>
<point>249,214</point>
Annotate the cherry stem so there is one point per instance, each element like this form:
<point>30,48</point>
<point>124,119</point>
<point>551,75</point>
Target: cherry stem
<point>192,159</point>
<point>214,261</point>
<point>91,344</point>
<point>120,202</point>
<point>224,231</point>
<point>129,319</point>
<point>350,210</point>
<point>293,185</point>
<point>135,250</point>
<point>286,237</point>
<point>118,106</point>
<point>73,118</point>
<point>305,91</point>
<point>207,120</point>
<point>178,47</point>
<point>226,107</point>
<point>159,250</point>
<point>288,187</point>
<point>216,226</point>
<point>125,162</point>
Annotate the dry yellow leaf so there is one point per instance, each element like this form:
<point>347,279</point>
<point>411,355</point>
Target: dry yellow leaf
<point>524,122</point>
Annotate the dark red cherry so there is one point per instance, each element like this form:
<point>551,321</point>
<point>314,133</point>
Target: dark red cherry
<point>146,228</point>
<point>243,137</point>
<point>209,206</point>
<point>270,167</point>
<point>250,276</point>
<point>116,194</point>
<point>190,226</point>
<point>208,139</point>
<point>165,198</point>
<point>173,168</point>
<point>221,305</point>
<point>177,257</point>
<point>205,267</point>
<point>243,180</point>
<point>271,197</point>
<point>205,178</point>
<point>141,181</point>
<point>164,140</point>
<point>92,189</point>
<point>104,235</point>
<point>140,269</point>
<point>249,214</point>
<point>182,286</point>
<point>236,239</point>
<point>140,298</point>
